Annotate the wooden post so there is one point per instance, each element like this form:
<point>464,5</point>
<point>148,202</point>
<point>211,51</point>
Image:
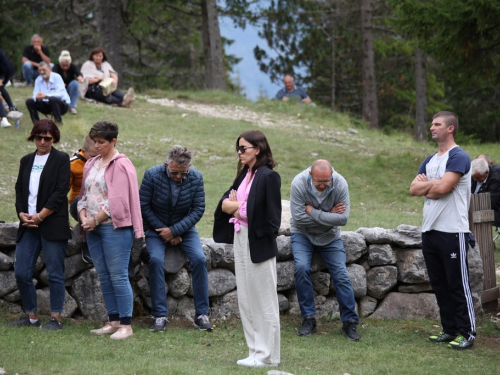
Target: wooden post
<point>481,218</point>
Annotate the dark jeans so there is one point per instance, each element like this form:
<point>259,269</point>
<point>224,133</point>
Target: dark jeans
<point>54,252</point>
<point>55,106</point>
<point>95,92</point>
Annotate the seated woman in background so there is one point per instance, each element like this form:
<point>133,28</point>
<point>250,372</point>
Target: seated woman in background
<point>95,70</point>
<point>71,76</point>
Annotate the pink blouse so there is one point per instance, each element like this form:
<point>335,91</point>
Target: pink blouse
<point>242,196</point>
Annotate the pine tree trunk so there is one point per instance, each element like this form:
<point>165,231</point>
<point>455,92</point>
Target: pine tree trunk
<point>421,126</point>
<point>212,46</point>
<point>370,103</point>
<point>334,12</point>
<point>111,27</point>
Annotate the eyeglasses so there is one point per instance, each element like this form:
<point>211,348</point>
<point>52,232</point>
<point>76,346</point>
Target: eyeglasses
<point>46,139</point>
<point>242,149</point>
<point>176,173</point>
<point>326,183</point>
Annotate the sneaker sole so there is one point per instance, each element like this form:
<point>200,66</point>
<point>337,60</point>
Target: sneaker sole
<point>307,334</point>
<point>348,338</point>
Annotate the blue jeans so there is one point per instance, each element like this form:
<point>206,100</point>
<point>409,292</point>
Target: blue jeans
<point>334,256</point>
<point>191,246</point>
<point>110,250</point>
<point>29,72</point>
<point>54,252</point>
<point>73,90</point>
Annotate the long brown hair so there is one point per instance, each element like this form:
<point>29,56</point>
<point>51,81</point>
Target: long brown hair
<point>265,157</point>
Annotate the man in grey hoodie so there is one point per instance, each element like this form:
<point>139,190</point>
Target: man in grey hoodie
<point>319,203</point>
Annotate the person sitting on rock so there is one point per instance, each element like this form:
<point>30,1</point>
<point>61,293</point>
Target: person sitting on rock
<point>172,202</point>
<point>292,92</point>
<point>72,78</point>
<point>33,55</point>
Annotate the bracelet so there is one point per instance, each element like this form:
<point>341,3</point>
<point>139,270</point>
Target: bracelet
<point>39,218</point>
<point>96,223</point>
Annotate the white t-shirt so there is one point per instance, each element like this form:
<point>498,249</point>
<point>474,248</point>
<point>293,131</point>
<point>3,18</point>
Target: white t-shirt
<point>36,172</point>
<point>450,213</point>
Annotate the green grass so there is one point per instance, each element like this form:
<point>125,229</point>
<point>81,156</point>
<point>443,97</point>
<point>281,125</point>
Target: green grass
<point>379,168</point>
<point>398,347</point>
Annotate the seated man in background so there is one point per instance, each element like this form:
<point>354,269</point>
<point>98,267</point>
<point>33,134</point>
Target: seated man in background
<point>292,92</point>
<point>49,95</point>
<point>33,55</point>
<point>77,162</point>
<point>486,180</point>
<point>72,78</point>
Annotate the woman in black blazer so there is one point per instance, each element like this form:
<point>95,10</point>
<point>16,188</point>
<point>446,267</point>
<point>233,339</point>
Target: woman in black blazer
<point>251,209</point>
<point>42,207</point>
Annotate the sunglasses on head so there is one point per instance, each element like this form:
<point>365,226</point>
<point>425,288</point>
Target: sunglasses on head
<point>46,139</point>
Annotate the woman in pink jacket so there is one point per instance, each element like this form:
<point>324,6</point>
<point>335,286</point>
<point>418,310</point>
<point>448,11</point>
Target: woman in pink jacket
<point>110,214</point>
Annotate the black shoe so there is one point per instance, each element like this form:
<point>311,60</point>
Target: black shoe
<point>53,325</point>
<point>159,324</point>
<point>203,323</point>
<point>13,108</point>
<point>441,337</point>
<point>349,331</point>
<point>86,253</point>
<point>25,322</point>
<point>308,327</point>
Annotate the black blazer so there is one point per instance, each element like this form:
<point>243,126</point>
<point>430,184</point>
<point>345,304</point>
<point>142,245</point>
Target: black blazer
<point>52,194</point>
<point>491,186</point>
<point>264,215</point>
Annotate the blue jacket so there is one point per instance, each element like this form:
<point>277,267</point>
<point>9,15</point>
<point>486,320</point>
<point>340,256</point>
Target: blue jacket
<point>156,201</point>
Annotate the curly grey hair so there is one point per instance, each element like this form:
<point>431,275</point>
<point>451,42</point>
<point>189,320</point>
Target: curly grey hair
<point>181,155</point>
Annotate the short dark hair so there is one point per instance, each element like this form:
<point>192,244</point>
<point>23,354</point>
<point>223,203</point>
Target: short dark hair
<point>449,119</point>
<point>97,50</point>
<point>45,126</point>
<point>107,130</point>
<point>265,157</point>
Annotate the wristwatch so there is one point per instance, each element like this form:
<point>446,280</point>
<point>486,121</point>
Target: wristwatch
<point>96,222</point>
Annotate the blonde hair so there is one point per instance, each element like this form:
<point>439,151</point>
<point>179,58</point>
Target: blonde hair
<point>65,56</point>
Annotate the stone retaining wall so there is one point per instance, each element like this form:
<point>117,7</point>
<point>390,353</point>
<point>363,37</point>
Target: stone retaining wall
<point>386,267</point>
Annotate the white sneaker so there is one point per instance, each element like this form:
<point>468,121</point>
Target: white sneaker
<point>252,362</point>
<point>5,123</point>
<point>241,362</point>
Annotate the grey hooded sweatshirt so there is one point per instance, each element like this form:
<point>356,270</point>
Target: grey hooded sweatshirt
<point>321,227</point>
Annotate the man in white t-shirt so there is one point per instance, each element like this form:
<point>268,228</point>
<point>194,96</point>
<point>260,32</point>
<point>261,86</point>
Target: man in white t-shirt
<point>444,180</point>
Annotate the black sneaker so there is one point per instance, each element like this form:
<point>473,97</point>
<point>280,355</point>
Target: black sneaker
<point>441,337</point>
<point>53,325</point>
<point>203,323</point>
<point>86,253</point>
<point>159,324</point>
<point>461,343</point>
<point>308,327</point>
<point>25,322</point>
<point>13,108</point>
<point>349,330</point>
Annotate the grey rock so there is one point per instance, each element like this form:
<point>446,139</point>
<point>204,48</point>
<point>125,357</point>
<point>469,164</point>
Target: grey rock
<point>405,306</point>
<point>317,262</point>
<point>16,295</point>
<point>88,295</point>
<point>414,288</point>
<point>476,277</point>
<point>286,215</point>
<point>220,282</point>
<point>283,302</point>
<point>357,274</point>
<point>367,306</point>
<point>221,254</point>
<point>43,299</point>
<point>293,303</point>
<point>185,307</point>
<point>178,284</point>
<point>75,243</point>
<point>225,306</point>
<point>285,271</point>
<point>376,235</point>
<point>7,283</point>
<point>10,308</point>
<point>175,259</point>
<point>407,236</point>
<point>354,245</point>
<point>321,282</point>
<point>6,262</point>
<point>380,280</point>
<point>327,307</point>
<point>74,265</point>
<point>411,267</point>
<point>172,304</point>
<point>381,255</point>
<point>8,234</point>
<point>284,248</point>
<point>137,248</point>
